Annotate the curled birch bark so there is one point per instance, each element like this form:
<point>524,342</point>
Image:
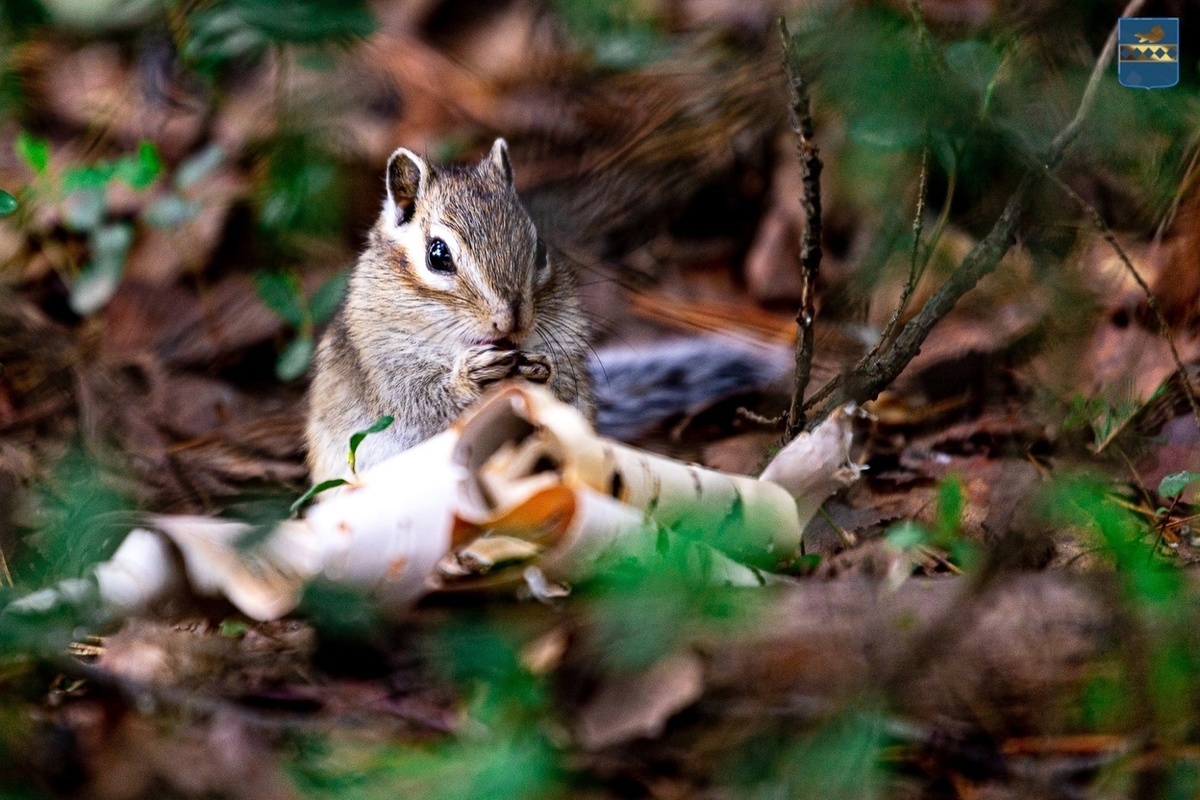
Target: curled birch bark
<point>521,480</point>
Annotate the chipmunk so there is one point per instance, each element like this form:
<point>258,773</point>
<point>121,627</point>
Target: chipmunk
<point>454,292</point>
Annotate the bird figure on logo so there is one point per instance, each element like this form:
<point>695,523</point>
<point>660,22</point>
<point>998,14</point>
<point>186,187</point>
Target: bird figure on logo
<point>1152,36</point>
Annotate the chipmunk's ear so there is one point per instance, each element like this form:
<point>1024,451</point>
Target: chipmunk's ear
<point>407,177</point>
<point>499,160</point>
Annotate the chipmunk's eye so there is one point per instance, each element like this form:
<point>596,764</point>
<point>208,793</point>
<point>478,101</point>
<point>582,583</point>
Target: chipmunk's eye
<point>539,258</point>
<point>439,257</point>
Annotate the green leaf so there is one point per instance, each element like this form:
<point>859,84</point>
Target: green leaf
<point>328,297</point>
<point>313,491</point>
<point>234,29</point>
<point>974,61</point>
<point>306,21</point>
<point>1174,484</point>
<point>99,279</point>
<point>294,193</point>
<point>978,65</point>
<point>171,211</point>
<point>949,513</point>
<point>84,210</point>
<point>907,535</point>
<point>219,36</point>
<point>33,151</point>
<point>294,359</point>
<point>197,167</point>
<point>378,425</point>
<point>945,149</point>
<point>89,177</point>
<point>631,48</point>
<point>8,203</point>
<point>886,131</point>
<point>347,613</point>
<point>142,168</point>
<point>280,292</point>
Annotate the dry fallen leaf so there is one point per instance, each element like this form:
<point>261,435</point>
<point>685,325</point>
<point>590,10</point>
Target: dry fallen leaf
<point>638,705</point>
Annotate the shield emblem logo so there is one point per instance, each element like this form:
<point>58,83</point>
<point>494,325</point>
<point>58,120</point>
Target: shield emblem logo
<point>1148,52</point>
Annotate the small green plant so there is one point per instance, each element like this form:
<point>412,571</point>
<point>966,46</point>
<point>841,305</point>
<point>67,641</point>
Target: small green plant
<point>81,192</point>
<point>947,533</point>
<point>1160,602</point>
<point>281,292</point>
<point>324,486</point>
<point>379,425</point>
<point>1173,485</point>
<point>1106,418</point>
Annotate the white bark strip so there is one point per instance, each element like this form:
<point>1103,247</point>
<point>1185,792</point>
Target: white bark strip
<point>521,480</point>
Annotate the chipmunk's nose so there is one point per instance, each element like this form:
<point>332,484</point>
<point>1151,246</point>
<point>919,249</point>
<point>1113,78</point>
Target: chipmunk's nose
<point>507,321</point>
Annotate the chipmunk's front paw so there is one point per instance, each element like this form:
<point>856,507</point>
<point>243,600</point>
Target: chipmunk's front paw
<point>478,367</point>
<point>534,367</point>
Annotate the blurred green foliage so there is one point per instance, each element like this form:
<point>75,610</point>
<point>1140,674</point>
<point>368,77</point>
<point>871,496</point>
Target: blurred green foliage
<point>81,514</point>
<point>946,534</point>
<point>985,106</point>
<point>17,19</point>
<point>619,35</point>
<point>223,32</point>
<point>78,517</point>
<point>840,760</point>
<point>282,293</point>
<point>80,192</point>
<point>1165,650</point>
<point>1104,416</point>
<point>300,191</point>
<point>505,749</point>
<point>641,611</point>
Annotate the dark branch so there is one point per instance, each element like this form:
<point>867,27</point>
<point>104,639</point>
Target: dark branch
<point>810,241</point>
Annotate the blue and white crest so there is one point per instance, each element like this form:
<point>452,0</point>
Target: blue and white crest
<point>1148,52</point>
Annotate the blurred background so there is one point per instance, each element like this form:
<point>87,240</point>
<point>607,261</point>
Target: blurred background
<point>187,182</point>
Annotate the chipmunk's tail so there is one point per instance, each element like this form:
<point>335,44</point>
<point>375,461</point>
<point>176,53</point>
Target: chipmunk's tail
<point>642,389</point>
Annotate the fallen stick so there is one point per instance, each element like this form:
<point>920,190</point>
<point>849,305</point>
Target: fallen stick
<point>520,481</point>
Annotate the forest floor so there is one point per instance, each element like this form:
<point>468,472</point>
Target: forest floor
<point>1003,605</point>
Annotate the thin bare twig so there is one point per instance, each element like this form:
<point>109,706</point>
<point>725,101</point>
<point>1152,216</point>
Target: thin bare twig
<point>916,267</point>
<point>870,375</point>
<point>810,242</point>
<point>914,272</point>
<point>1164,327</point>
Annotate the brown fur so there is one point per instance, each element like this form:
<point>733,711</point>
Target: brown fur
<point>411,344</point>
